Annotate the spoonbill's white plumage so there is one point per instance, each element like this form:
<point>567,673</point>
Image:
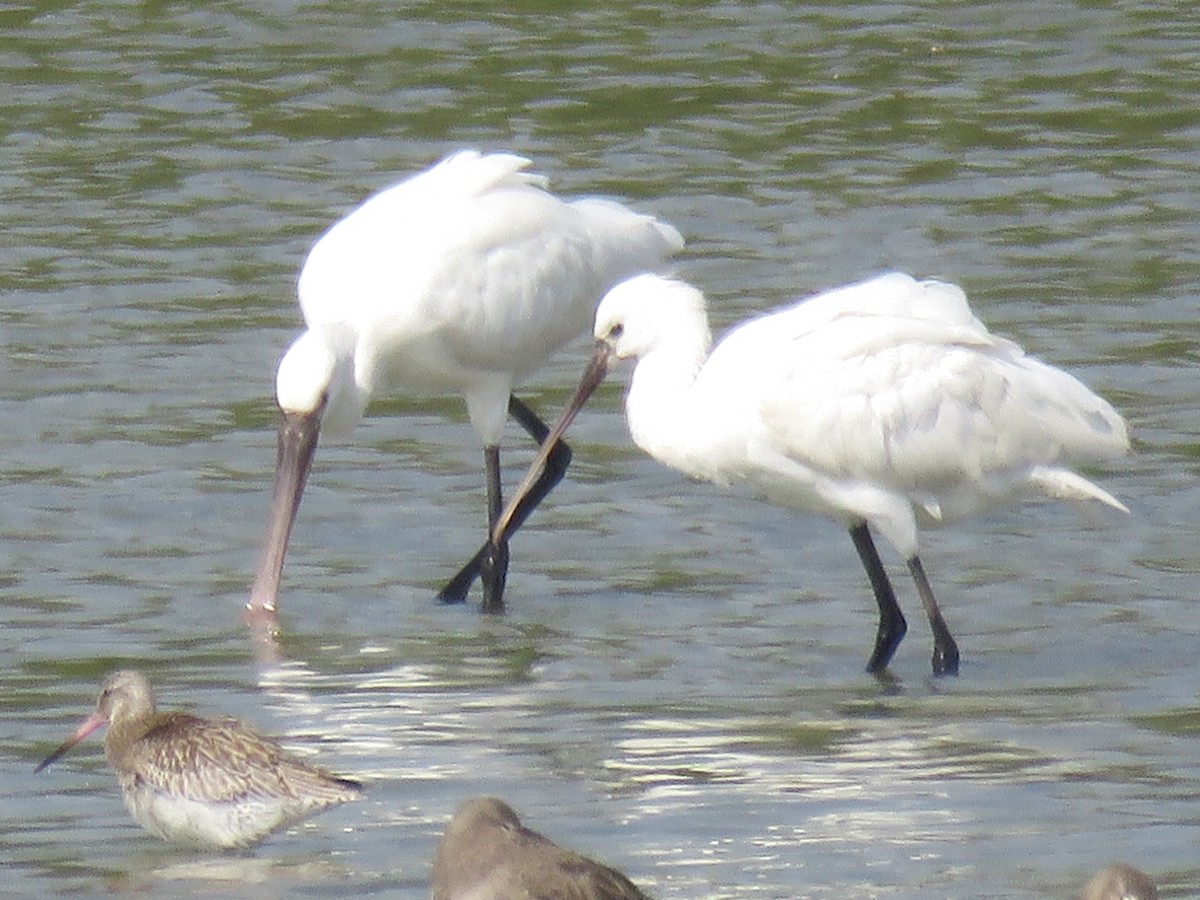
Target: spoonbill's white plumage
<point>461,279</point>
<point>881,403</point>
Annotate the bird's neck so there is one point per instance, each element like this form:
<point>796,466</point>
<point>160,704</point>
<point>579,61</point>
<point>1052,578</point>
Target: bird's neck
<point>123,734</point>
<point>659,405</point>
<point>319,369</point>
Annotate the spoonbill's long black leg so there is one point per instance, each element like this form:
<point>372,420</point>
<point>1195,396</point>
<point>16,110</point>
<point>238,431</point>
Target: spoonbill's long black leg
<point>491,561</point>
<point>891,620</point>
<point>945,650</point>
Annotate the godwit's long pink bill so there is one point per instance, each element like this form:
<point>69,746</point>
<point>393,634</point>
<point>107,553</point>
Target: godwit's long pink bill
<point>90,724</point>
<point>879,403</point>
<point>462,279</point>
<point>198,781</point>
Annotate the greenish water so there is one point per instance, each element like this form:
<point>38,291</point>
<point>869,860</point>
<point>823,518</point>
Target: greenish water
<point>678,685</point>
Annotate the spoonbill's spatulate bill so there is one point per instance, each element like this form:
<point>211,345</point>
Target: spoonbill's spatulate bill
<point>462,279</point>
<point>204,782</point>
<point>487,853</point>
<point>881,403</point>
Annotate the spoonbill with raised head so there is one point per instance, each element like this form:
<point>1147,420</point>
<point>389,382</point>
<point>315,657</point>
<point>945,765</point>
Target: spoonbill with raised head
<point>880,403</point>
<point>463,279</point>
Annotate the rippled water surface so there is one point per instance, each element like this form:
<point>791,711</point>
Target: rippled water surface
<point>678,685</point>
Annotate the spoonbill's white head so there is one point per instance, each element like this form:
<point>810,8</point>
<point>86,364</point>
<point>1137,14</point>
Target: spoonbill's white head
<point>646,312</point>
<point>316,377</point>
<point>638,316</point>
<point>316,389</point>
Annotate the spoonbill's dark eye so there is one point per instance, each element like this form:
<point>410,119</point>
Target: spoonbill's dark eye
<point>616,331</point>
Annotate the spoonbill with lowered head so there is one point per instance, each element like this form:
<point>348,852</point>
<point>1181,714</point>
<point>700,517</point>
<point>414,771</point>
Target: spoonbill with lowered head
<point>879,403</point>
<point>463,279</point>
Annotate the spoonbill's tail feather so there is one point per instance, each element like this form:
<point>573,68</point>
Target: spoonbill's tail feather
<point>1063,484</point>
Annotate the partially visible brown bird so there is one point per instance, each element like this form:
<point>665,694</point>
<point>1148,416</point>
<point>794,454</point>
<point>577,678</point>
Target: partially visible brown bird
<point>1120,882</point>
<point>487,854</point>
<point>205,782</point>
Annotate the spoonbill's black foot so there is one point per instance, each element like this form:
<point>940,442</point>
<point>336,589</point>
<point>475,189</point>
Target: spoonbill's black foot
<point>945,659</point>
<point>887,639</point>
<point>459,586</point>
<point>493,572</point>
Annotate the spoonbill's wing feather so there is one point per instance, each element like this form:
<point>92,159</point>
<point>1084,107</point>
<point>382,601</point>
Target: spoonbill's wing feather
<point>895,384</point>
<point>465,278</point>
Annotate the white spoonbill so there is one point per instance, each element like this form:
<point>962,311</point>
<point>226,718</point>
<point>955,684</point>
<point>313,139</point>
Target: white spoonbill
<point>461,279</point>
<point>879,403</point>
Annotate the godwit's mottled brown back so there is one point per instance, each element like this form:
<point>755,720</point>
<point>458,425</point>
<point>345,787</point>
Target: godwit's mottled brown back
<point>487,853</point>
<point>1120,881</point>
<point>223,760</point>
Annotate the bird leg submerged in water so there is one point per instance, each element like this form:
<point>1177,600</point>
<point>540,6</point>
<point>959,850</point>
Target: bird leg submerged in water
<point>892,626</point>
<point>490,563</point>
<point>945,650</point>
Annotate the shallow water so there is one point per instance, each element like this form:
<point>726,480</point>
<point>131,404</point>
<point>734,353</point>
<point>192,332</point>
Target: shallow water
<point>677,687</point>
